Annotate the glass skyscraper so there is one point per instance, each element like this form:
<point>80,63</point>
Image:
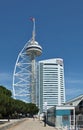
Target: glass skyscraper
<point>51,87</point>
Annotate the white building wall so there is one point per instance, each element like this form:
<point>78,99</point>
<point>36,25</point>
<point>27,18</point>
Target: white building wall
<point>51,83</point>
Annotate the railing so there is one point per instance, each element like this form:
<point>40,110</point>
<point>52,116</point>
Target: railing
<point>80,127</point>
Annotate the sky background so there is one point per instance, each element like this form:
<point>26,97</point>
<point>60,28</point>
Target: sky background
<point>59,30</point>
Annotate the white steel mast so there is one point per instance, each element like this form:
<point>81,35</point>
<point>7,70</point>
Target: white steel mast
<point>33,50</point>
<point>24,76</point>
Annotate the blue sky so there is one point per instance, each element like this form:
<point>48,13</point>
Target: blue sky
<point>59,30</point>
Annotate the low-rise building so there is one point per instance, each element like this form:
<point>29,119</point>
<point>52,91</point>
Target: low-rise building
<point>69,115</point>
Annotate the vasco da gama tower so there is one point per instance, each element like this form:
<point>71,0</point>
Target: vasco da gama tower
<point>25,71</point>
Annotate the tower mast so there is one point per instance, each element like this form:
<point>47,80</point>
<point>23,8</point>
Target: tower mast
<point>24,76</point>
<point>33,32</point>
<point>33,50</point>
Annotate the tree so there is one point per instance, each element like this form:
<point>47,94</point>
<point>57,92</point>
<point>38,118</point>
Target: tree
<point>5,101</point>
<point>5,91</point>
<point>10,107</point>
<point>33,109</point>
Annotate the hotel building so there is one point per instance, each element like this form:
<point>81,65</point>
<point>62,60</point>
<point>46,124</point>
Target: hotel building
<point>51,87</point>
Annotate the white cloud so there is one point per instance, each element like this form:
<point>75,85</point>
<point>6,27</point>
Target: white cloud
<point>73,92</point>
<point>74,78</point>
<point>5,76</point>
<point>6,80</point>
<point>73,81</point>
<point>74,87</point>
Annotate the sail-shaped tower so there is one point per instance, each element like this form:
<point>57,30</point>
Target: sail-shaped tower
<point>25,71</point>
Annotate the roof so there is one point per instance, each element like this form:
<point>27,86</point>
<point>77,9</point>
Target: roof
<point>75,101</point>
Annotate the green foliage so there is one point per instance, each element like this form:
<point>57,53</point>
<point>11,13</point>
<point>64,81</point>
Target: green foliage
<point>10,107</point>
<point>32,109</point>
<point>5,91</point>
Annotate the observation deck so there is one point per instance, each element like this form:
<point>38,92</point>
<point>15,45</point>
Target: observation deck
<point>33,48</point>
